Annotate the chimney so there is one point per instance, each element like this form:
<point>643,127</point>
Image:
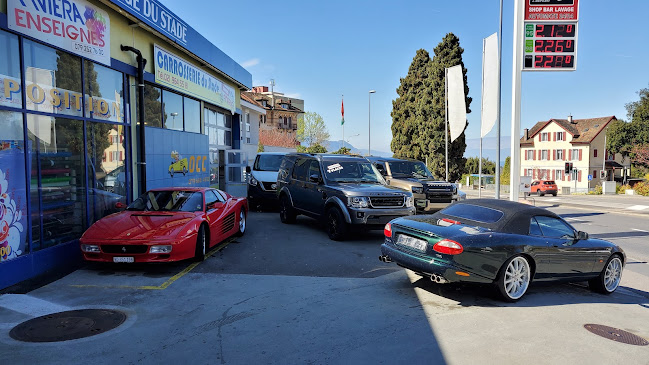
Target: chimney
<point>570,119</point>
<point>527,134</point>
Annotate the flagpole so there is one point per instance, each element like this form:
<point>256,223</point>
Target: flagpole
<point>446,116</point>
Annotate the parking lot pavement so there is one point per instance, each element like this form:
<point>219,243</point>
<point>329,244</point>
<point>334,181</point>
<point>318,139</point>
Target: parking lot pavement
<point>285,294</point>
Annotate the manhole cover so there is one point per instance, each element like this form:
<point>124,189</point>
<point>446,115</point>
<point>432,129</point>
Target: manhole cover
<point>68,325</point>
<point>616,334</point>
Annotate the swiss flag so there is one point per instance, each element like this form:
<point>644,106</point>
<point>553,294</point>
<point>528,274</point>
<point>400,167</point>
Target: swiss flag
<point>342,108</point>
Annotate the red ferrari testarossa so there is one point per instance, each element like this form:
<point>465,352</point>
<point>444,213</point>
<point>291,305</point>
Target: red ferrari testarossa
<point>166,224</point>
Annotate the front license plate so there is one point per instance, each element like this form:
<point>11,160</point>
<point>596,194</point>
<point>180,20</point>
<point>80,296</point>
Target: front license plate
<point>124,259</point>
<point>411,242</point>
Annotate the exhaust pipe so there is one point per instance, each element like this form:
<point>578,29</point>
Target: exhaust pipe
<point>385,259</point>
<point>438,279</point>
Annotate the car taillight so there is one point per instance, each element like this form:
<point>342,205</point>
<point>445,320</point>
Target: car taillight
<point>387,230</point>
<point>448,247</point>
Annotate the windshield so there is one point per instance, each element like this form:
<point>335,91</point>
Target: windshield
<point>352,171</point>
<point>267,162</point>
<point>168,200</point>
<point>416,169</point>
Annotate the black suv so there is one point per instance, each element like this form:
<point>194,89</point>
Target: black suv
<point>344,190</point>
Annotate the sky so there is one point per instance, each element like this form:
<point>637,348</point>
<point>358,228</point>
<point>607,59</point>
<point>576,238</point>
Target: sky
<point>321,50</point>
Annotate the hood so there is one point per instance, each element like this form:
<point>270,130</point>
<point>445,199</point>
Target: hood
<point>265,176</point>
<point>137,225</point>
<point>364,189</point>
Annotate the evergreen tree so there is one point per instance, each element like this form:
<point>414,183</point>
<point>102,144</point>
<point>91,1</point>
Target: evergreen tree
<point>505,173</point>
<point>418,114</point>
<point>448,53</point>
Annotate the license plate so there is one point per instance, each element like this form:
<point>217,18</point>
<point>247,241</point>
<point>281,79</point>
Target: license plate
<point>412,242</point>
<point>124,259</point>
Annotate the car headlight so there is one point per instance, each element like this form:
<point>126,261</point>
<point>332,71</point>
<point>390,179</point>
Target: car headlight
<point>358,201</point>
<point>90,248</point>
<point>409,202</point>
<point>160,249</point>
<point>417,189</point>
<point>253,181</point>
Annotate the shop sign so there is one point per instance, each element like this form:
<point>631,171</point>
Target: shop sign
<point>176,73</point>
<point>158,17</point>
<point>46,98</point>
<point>73,25</point>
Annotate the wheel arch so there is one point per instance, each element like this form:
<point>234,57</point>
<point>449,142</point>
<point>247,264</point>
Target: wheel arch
<point>335,201</point>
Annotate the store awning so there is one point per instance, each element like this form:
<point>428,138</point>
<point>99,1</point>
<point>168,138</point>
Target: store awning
<point>613,165</point>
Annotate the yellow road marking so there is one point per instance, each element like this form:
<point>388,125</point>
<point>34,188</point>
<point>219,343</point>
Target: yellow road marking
<point>166,283</point>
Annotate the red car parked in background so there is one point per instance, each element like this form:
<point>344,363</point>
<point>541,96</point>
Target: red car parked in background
<point>166,225</point>
<point>542,187</point>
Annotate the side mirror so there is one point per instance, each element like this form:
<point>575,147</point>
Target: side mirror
<point>247,169</point>
<point>120,205</point>
<point>314,178</point>
<point>582,235</point>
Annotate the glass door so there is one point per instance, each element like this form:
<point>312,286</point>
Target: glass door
<point>235,169</point>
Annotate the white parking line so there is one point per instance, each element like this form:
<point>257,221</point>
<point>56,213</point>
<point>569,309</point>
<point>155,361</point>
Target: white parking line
<point>639,230</point>
<point>638,207</point>
<point>23,303</point>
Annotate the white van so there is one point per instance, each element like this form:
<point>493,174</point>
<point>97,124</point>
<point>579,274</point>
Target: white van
<point>262,181</point>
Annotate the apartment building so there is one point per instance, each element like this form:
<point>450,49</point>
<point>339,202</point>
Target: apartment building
<point>550,145</point>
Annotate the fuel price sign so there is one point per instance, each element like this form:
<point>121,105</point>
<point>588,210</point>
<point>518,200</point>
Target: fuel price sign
<point>550,35</point>
<point>550,46</point>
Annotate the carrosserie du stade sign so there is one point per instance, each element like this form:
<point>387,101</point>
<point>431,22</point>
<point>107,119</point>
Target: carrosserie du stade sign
<point>73,25</point>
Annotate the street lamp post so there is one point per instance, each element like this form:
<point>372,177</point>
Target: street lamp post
<point>173,121</point>
<point>369,123</point>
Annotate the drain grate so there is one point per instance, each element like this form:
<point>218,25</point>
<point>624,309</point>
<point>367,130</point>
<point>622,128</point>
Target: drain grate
<point>616,334</point>
<point>69,325</point>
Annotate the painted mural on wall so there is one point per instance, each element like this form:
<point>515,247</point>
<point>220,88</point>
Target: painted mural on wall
<point>13,208</point>
<point>176,159</point>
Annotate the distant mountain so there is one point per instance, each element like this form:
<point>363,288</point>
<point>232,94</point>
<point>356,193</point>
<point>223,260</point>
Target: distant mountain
<point>336,145</point>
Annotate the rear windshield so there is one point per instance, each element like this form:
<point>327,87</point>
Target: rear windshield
<point>267,162</point>
<point>549,183</point>
<point>474,213</point>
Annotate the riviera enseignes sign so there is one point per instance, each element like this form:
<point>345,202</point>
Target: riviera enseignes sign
<point>178,74</point>
<point>73,25</point>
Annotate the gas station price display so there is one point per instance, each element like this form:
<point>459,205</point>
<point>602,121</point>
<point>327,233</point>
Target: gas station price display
<point>550,46</point>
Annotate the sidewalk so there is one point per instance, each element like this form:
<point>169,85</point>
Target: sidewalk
<point>627,204</point>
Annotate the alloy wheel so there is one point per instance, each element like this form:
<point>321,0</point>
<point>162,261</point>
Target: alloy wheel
<point>613,274</point>
<point>242,222</point>
<point>517,277</point>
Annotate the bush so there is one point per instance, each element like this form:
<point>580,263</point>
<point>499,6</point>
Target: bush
<point>642,188</point>
<point>596,191</point>
<point>622,189</point>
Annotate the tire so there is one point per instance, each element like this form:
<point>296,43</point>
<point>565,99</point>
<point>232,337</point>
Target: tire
<point>514,278</point>
<point>242,223</point>
<point>609,279</point>
<point>538,192</point>
<point>201,245</point>
<point>336,225</point>
<point>286,212</point>
<point>554,194</point>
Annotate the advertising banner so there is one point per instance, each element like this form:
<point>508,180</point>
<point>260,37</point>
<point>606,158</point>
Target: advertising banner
<point>73,25</point>
<point>178,74</point>
<point>13,200</point>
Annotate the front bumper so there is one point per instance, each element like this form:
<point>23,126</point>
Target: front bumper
<point>377,217</point>
<point>425,203</point>
<point>257,194</point>
<point>430,265</point>
<point>139,250</point>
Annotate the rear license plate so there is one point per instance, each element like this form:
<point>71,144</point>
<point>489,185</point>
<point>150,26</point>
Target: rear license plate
<point>411,242</point>
<point>124,259</point>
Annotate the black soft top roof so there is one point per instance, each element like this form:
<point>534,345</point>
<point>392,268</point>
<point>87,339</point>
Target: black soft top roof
<point>516,218</point>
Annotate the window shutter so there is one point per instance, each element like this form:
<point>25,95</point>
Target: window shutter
<point>110,157</point>
<point>579,155</point>
<point>554,155</point>
<point>579,176</point>
<point>553,172</point>
<point>534,156</point>
<point>564,154</point>
<point>121,138</point>
<point>594,173</point>
<point>121,155</point>
<point>526,155</point>
<point>595,152</point>
<point>554,136</point>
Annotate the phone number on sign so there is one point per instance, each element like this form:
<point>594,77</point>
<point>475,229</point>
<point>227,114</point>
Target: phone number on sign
<point>172,80</point>
<point>80,47</point>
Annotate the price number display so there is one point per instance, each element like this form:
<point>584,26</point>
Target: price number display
<point>550,46</point>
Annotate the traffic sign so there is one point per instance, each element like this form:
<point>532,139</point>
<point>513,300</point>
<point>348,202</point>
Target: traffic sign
<point>590,177</point>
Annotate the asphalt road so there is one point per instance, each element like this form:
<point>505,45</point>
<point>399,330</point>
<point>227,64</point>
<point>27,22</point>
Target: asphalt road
<point>286,294</point>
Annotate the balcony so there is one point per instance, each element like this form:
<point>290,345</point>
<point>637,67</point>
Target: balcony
<point>281,125</point>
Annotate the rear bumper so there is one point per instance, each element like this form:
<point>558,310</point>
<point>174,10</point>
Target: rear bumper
<point>430,265</point>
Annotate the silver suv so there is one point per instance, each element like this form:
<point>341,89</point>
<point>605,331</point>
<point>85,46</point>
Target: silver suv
<point>343,191</point>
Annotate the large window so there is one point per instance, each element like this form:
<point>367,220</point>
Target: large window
<point>10,86</point>
<point>53,80</point>
<point>13,192</point>
<point>192,115</point>
<point>104,92</point>
<point>172,110</point>
<point>58,180</point>
<point>152,106</point>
